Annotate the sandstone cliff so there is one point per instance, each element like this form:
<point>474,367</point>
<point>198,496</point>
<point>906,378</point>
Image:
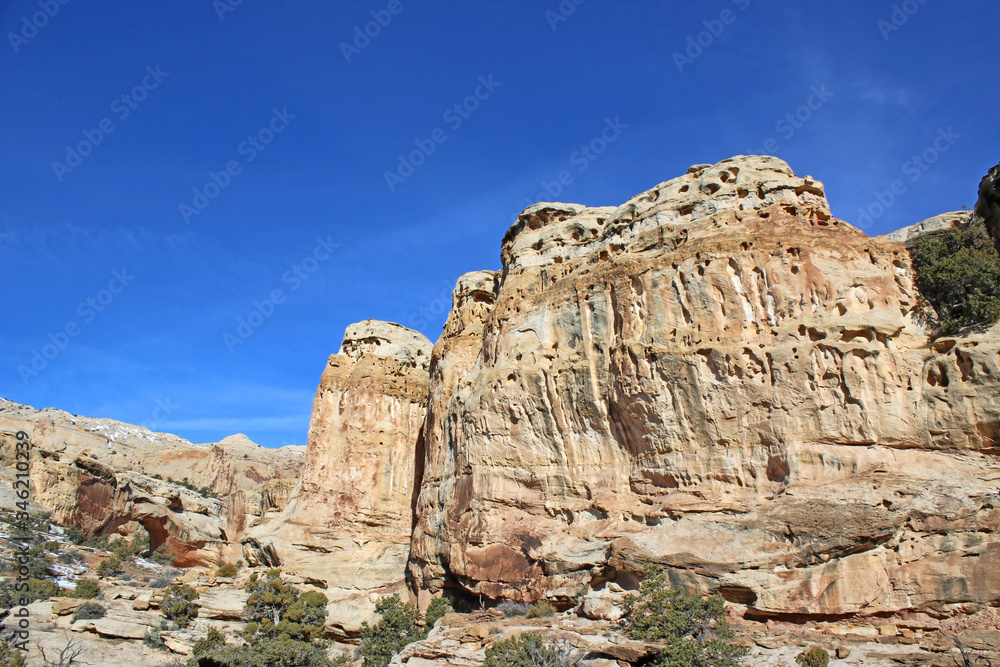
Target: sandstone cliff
<point>107,477</point>
<point>347,527</point>
<point>720,377</point>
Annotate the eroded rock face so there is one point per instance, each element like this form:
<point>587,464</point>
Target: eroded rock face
<point>928,229</point>
<point>988,204</point>
<point>721,377</point>
<point>347,528</point>
<point>106,477</point>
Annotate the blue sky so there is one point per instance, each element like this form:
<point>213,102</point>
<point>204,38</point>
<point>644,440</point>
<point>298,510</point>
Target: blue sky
<point>170,169</point>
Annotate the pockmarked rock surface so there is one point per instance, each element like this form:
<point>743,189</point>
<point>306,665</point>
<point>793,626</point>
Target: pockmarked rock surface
<point>106,477</point>
<point>720,377</point>
<point>988,204</point>
<point>346,528</point>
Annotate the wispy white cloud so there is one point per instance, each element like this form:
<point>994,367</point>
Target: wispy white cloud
<point>236,424</point>
<point>889,95</point>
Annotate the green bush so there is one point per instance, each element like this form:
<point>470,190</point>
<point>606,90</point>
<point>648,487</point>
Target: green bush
<point>75,535</point>
<point>275,609</point>
<point>397,627</point>
<point>435,610</point>
<point>38,589</point>
<point>152,638</point>
<point>178,604</point>
<point>529,650</point>
<point>212,642</point>
<point>816,657</point>
<point>541,609</point>
<point>161,556</point>
<point>89,611</point>
<point>10,656</point>
<point>959,274</point>
<point>86,589</point>
<point>265,653</point>
<point>511,609</point>
<point>227,570</point>
<point>691,629</point>
<point>111,567</point>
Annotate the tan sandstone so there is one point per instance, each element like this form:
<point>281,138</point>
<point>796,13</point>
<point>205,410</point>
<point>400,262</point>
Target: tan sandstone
<point>720,377</point>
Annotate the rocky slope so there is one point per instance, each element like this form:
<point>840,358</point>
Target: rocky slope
<point>106,477</point>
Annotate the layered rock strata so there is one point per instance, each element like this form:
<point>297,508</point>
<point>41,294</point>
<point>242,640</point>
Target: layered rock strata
<point>720,377</point>
<point>346,529</point>
<point>106,478</point>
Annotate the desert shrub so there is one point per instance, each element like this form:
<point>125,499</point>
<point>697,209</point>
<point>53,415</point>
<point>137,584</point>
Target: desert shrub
<point>212,642</point>
<point>511,609</point>
<point>161,556</point>
<point>161,582</point>
<point>435,610</point>
<point>126,550</point>
<point>541,609</point>
<point>530,650</point>
<point>266,653</point>
<point>227,570</point>
<point>397,627</point>
<point>75,535</point>
<point>97,542</point>
<point>275,609</point>
<point>178,604</point>
<point>816,657</point>
<point>958,272</point>
<point>52,546</point>
<point>86,589</point>
<point>692,629</point>
<point>152,638</point>
<point>38,589</point>
<point>10,656</point>
<point>71,558</point>
<point>110,567</point>
<point>89,611</point>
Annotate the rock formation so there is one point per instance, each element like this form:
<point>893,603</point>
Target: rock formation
<point>722,378</point>
<point>988,204</point>
<point>106,477</point>
<point>718,377</point>
<point>347,528</point>
<point>928,229</point>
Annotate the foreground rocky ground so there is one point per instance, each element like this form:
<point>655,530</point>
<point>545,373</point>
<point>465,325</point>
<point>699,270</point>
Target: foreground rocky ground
<point>460,640</point>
